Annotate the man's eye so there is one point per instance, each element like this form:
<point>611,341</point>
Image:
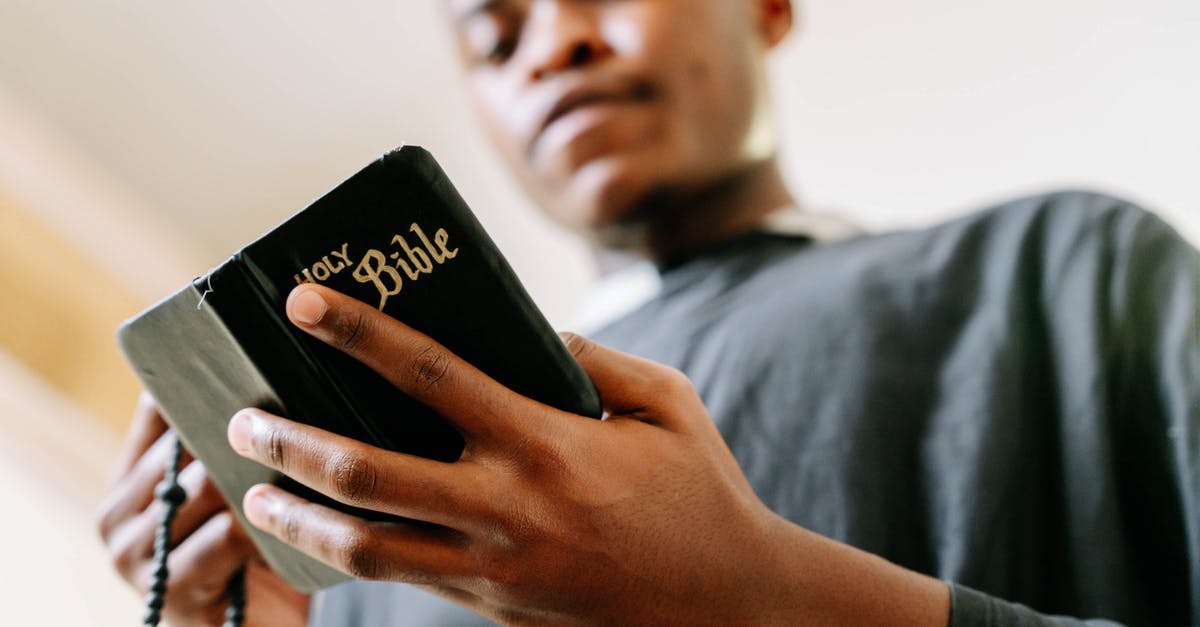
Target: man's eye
<point>489,40</point>
<point>501,52</point>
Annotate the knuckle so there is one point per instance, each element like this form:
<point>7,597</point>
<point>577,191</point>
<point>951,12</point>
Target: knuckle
<point>352,477</point>
<point>673,381</point>
<point>536,447</point>
<point>353,331</point>
<point>364,564</point>
<point>290,525</point>
<point>195,580</point>
<point>188,586</point>
<point>578,345</point>
<point>106,520</point>
<point>430,366</point>
<point>125,560</point>
<point>205,591</point>
<point>542,456</point>
<point>359,555</point>
<point>500,575</point>
<point>274,447</point>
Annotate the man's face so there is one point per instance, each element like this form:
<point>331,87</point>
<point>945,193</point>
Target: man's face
<point>599,104</point>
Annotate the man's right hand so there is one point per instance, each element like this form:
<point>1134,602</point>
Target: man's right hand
<point>209,544</point>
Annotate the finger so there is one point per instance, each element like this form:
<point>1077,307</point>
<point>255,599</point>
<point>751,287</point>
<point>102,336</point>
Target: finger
<point>133,542</point>
<point>134,492</point>
<point>144,429</point>
<point>635,387</point>
<point>202,565</point>
<point>202,503</point>
<point>412,361</point>
<point>360,548</point>
<point>361,475</point>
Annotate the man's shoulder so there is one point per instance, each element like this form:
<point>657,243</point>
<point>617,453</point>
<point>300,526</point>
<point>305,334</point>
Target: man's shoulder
<point>1033,245</point>
<point>1074,233</point>
<point>1048,232</point>
<point>1045,218</point>
<point>1062,202</point>
<point>1006,231</point>
<point>1057,219</point>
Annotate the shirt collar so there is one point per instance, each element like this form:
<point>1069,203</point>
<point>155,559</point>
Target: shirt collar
<point>637,281</point>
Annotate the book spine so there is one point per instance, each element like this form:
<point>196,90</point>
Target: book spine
<point>319,400</point>
<point>192,360</point>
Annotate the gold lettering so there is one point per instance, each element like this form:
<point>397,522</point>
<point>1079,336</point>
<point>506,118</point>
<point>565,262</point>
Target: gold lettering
<point>307,277</point>
<point>441,237</point>
<point>417,255</point>
<point>320,271</point>
<point>333,268</point>
<point>372,269</point>
<point>412,274</point>
<point>375,268</point>
<point>344,255</point>
<point>440,259</point>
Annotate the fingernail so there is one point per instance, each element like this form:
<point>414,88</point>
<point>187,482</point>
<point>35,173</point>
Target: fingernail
<point>241,432</point>
<point>257,506</point>
<point>307,307</point>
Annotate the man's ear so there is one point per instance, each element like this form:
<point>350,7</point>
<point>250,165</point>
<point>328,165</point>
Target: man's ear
<point>774,19</point>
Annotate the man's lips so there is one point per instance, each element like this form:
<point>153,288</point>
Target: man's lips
<point>591,94</point>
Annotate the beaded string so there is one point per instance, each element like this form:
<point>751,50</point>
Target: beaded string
<point>172,495</point>
<point>236,612</point>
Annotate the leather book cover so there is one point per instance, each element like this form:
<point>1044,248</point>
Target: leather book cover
<point>396,235</point>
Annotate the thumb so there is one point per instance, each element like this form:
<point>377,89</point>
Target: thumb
<point>632,386</point>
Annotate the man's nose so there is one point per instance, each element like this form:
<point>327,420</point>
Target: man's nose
<point>565,34</point>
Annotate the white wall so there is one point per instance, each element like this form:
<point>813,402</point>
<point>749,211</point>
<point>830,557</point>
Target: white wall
<point>905,112</point>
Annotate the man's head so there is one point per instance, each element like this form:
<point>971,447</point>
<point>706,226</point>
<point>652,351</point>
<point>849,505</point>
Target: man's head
<point>602,105</point>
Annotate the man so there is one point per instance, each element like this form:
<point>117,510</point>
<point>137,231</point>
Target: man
<point>986,422</point>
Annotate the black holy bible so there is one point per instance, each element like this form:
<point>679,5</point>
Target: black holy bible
<point>396,235</point>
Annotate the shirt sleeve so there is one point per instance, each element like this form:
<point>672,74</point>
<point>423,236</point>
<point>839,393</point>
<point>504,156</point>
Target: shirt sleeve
<point>1156,326</point>
<point>1149,302</point>
<point>971,608</point>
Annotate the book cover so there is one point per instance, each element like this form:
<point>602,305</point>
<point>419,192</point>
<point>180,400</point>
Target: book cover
<point>396,235</point>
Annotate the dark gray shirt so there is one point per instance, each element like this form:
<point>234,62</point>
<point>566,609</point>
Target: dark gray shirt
<point>1009,402</point>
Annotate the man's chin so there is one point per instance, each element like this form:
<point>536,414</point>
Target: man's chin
<point>606,193</point>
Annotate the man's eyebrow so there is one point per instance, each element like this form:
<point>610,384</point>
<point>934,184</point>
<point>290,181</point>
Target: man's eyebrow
<point>482,6</point>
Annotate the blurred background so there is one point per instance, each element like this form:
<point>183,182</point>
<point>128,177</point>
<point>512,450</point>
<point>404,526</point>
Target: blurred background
<point>141,142</point>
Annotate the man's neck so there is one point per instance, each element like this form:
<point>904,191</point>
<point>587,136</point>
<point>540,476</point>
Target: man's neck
<point>674,225</point>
